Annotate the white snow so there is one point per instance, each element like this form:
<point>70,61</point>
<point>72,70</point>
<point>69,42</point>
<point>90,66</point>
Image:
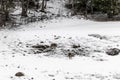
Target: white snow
<point>59,68</point>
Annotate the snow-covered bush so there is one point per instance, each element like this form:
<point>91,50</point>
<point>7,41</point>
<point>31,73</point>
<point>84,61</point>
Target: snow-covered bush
<point>55,49</point>
<point>53,45</point>
<point>113,51</point>
<point>40,48</point>
<point>97,36</point>
<point>70,55</point>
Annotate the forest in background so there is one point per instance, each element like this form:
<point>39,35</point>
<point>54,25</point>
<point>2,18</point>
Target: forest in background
<point>9,6</point>
<point>110,8</point>
<point>90,9</point>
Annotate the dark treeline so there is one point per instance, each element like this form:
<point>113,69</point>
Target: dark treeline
<point>85,7</point>
<point>110,8</point>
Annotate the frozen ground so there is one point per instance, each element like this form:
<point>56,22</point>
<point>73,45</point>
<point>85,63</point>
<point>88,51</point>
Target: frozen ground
<point>18,55</point>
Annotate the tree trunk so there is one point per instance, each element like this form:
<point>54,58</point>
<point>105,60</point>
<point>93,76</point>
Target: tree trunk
<point>24,12</point>
<point>92,7</point>
<point>43,4</point>
<point>25,4</point>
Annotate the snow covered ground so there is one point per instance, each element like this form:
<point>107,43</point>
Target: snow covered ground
<point>18,55</point>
